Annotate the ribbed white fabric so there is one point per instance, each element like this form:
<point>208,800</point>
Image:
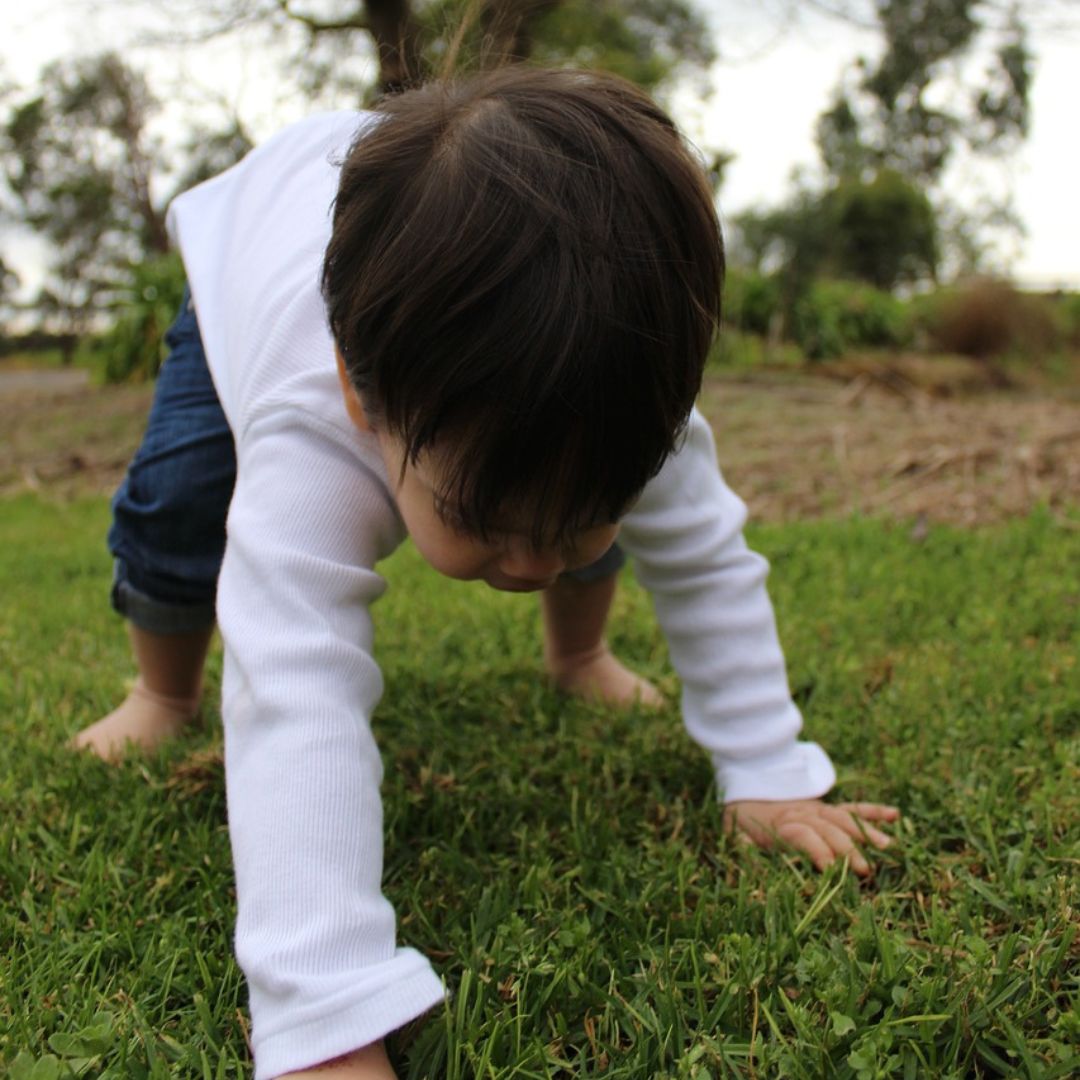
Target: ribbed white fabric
<point>311,515</point>
<point>708,588</point>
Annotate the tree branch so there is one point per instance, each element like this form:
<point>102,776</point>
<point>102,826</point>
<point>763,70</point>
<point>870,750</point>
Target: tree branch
<point>320,26</point>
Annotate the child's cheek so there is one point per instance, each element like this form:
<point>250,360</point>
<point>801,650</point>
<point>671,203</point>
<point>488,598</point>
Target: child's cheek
<point>451,555</point>
<point>593,547</point>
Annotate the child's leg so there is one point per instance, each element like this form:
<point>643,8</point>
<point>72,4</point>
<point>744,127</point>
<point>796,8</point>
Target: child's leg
<point>168,537</point>
<point>575,652</point>
<point>163,700</point>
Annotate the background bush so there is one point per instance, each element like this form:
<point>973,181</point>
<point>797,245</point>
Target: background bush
<point>1067,306</point>
<point>734,349</point>
<point>832,317</point>
<point>986,318</point>
<point>884,230</point>
<point>134,347</point>
<point>751,301</point>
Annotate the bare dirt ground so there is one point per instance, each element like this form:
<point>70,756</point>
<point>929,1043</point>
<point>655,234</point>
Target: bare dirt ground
<point>920,441</point>
<point>62,436</point>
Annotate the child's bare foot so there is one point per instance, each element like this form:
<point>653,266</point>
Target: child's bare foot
<point>144,719</point>
<point>597,675</point>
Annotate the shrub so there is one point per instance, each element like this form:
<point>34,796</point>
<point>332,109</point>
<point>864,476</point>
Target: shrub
<point>133,348</point>
<point>751,301</point>
<point>834,316</point>
<point>1067,306</point>
<point>985,318</point>
<point>885,230</point>
<point>734,349</point>
<point>882,230</point>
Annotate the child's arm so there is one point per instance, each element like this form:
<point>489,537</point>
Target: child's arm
<point>685,534</point>
<point>314,934</point>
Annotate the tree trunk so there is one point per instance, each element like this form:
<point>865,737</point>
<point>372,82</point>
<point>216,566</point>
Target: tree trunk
<point>397,38</point>
<point>507,27</point>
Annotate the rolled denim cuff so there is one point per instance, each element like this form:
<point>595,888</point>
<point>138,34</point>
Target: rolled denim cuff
<point>611,562</point>
<point>157,616</point>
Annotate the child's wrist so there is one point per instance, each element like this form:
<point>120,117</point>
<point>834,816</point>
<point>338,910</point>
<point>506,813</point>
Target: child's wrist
<point>366,1063</point>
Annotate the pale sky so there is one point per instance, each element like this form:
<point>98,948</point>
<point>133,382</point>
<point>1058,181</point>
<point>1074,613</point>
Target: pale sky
<point>769,90</point>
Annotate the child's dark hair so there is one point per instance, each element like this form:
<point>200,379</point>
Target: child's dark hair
<point>525,275</point>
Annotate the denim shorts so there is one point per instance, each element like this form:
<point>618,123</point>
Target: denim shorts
<point>168,529</point>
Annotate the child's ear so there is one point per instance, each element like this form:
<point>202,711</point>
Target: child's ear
<point>353,405</point>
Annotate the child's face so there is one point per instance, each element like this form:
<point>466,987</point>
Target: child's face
<point>506,561</point>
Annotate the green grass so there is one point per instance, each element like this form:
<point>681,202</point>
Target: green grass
<point>565,866</point>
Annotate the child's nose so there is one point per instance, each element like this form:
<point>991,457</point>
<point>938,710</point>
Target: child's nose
<point>522,562</point>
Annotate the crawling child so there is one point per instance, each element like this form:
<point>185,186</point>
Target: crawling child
<point>477,317</point>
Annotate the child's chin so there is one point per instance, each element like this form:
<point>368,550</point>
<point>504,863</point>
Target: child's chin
<point>507,584</point>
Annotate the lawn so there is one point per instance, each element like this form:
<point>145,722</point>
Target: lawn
<point>565,866</point>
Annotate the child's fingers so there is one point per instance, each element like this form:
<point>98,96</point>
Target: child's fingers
<point>844,846</point>
<point>808,839</point>
<point>821,831</point>
<point>871,811</point>
<point>856,827</point>
<point>745,825</point>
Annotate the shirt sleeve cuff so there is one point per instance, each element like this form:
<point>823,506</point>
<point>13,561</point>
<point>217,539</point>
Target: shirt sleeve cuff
<point>802,771</point>
<point>408,988</point>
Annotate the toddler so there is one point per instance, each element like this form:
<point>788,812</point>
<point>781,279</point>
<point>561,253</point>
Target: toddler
<point>478,317</point>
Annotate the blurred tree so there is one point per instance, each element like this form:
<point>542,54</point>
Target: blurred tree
<point>643,40</point>
<point>77,160</point>
<point>207,151</point>
<point>80,166</point>
<point>895,113</point>
<point>646,41</point>
<point>791,241</point>
<point>923,102</point>
<point>885,141</point>
<point>9,282</point>
<point>882,230</point>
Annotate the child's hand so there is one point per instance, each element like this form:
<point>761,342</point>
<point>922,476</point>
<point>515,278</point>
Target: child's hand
<point>822,831</point>
<point>368,1063</point>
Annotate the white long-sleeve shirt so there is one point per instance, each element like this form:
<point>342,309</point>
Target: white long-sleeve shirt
<point>311,515</point>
